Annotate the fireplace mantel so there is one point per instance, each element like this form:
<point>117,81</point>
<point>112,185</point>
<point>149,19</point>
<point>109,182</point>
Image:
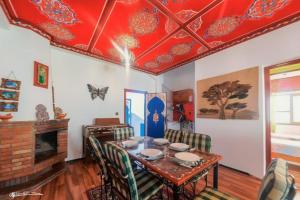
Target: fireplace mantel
<point>18,170</point>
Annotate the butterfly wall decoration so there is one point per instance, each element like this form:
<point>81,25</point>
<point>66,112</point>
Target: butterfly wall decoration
<point>97,92</point>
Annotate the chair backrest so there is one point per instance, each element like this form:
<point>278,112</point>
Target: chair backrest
<point>277,184</point>
<point>123,133</point>
<point>99,152</point>
<point>195,140</point>
<point>121,172</point>
<point>173,135</point>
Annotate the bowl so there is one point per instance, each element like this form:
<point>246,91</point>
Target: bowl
<point>61,116</point>
<point>6,117</point>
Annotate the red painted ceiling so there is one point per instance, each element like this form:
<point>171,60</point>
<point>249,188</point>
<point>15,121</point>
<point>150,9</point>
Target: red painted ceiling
<point>160,34</point>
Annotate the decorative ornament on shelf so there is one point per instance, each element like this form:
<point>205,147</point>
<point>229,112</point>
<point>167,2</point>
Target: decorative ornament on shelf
<point>6,117</point>
<point>97,92</point>
<point>59,114</point>
<point>41,113</point>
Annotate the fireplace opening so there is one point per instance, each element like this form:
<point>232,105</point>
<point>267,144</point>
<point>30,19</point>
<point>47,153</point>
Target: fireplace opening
<point>45,146</point>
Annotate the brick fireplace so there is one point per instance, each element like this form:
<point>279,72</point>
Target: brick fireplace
<point>31,153</point>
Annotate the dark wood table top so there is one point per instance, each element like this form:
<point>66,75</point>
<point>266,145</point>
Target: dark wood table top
<point>166,167</point>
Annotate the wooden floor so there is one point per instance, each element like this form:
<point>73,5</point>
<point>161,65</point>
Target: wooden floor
<point>82,176</point>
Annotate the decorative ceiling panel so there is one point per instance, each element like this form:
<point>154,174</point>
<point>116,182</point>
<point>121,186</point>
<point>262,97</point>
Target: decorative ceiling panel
<point>137,28</point>
<point>225,23</point>
<point>157,35</point>
<point>171,52</point>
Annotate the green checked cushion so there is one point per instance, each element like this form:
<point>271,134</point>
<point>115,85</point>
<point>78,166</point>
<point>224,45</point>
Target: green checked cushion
<point>173,135</point>
<point>123,133</point>
<point>275,185</point>
<point>97,147</point>
<point>120,159</point>
<point>195,140</point>
<point>147,184</point>
<point>212,194</point>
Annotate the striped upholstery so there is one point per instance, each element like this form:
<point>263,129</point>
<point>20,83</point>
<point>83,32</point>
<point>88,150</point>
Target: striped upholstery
<point>142,185</point>
<point>200,141</point>
<point>98,149</point>
<point>276,184</point>
<point>212,194</point>
<point>173,135</point>
<point>123,133</point>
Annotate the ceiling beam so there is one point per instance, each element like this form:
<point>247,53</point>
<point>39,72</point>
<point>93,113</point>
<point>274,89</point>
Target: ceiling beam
<point>158,43</point>
<point>101,23</point>
<point>182,25</point>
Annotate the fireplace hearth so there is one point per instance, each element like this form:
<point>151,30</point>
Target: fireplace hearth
<point>45,146</point>
<point>32,153</point>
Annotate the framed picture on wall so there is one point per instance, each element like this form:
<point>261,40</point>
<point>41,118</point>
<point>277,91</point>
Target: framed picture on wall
<point>10,84</point>
<point>9,106</point>
<point>9,95</point>
<point>41,75</point>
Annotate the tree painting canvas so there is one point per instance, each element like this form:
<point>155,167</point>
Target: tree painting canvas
<point>230,96</point>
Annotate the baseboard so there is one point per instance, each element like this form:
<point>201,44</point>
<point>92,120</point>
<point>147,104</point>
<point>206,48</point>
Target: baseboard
<point>236,170</point>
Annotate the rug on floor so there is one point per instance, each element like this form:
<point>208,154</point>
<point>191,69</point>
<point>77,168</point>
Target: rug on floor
<point>97,193</point>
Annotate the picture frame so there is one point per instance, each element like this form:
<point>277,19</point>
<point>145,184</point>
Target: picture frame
<point>9,95</point>
<point>9,106</point>
<point>41,75</point>
<point>10,84</point>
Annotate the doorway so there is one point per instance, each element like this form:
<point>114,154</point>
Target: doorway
<point>134,110</point>
<point>282,84</point>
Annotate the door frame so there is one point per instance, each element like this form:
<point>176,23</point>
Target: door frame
<point>135,91</point>
<point>268,106</point>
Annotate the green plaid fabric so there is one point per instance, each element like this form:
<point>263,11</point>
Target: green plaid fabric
<point>195,140</point>
<point>275,184</point>
<point>173,135</point>
<point>147,184</point>
<point>212,194</point>
<point>142,185</point>
<point>97,147</point>
<point>123,133</point>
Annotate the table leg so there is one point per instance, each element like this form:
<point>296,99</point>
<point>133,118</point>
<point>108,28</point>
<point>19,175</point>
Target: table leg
<point>176,192</point>
<point>216,174</point>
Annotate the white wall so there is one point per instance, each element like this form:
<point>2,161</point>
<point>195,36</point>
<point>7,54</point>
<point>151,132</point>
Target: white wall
<point>71,73</point>
<point>19,48</point>
<point>242,142</point>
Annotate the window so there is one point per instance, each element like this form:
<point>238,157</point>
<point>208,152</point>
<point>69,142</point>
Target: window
<point>286,108</point>
<point>296,108</point>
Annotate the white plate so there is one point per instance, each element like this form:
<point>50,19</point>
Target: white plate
<point>130,143</point>
<point>160,141</point>
<point>137,138</point>
<point>187,157</point>
<point>151,153</point>
<point>179,146</point>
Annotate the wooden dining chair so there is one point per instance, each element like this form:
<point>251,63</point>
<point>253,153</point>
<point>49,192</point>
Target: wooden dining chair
<point>202,143</point>
<point>199,141</point>
<point>173,135</point>
<point>126,183</point>
<point>100,157</point>
<point>277,184</point>
<point>123,133</point>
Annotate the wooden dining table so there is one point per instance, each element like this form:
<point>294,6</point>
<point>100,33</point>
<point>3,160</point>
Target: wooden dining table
<point>174,174</point>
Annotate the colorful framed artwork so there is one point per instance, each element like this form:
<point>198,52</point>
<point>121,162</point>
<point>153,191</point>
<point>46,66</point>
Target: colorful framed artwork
<point>10,84</point>
<point>41,75</point>
<point>9,106</point>
<point>9,95</point>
